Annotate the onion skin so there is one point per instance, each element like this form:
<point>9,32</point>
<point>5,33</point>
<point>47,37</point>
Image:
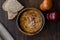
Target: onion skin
<point>53,16</point>
<point>46,5</point>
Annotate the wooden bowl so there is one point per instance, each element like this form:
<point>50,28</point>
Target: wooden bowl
<point>18,22</point>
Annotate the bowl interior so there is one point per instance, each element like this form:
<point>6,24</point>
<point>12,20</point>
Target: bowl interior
<point>18,21</point>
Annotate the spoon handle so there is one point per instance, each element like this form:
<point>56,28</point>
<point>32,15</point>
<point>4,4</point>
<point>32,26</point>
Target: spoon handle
<point>4,33</point>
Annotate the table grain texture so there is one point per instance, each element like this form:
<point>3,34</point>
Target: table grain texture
<point>51,30</point>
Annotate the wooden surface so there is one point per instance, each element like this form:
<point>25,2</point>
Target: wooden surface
<point>51,30</point>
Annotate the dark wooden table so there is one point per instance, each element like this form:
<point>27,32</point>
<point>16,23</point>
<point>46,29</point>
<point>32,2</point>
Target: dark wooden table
<point>51,30</point>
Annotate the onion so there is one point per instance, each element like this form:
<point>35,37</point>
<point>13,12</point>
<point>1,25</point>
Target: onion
<point>53,16</point>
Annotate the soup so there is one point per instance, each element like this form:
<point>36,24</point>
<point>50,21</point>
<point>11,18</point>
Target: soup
<point>31,21</point>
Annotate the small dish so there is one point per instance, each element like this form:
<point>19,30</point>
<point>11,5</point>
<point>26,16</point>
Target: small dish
<point>25,30</point>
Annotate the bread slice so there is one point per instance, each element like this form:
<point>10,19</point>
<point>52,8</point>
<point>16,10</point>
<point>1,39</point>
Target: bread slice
<point>12,7</point>
<point>3,6</point>
<point>12,15</point>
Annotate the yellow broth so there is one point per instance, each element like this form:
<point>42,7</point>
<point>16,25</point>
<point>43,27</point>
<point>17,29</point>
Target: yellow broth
<point>31,21</point>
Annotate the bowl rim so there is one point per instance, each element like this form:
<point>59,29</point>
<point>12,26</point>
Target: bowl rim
<point>43,21</point>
